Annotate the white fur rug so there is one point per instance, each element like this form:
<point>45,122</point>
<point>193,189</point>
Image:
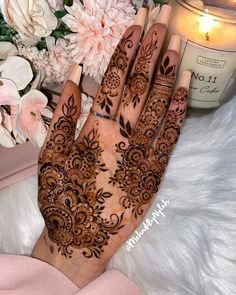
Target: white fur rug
<point>191,246</point>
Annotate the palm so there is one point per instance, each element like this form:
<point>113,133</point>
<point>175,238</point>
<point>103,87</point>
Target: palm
<point>95,190</point>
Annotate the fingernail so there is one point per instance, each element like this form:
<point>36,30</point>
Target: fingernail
<point>164,15</point>
<point>141,16</point>
<point>185,80</point>
<point>175,43</point>
<point>75,74</point>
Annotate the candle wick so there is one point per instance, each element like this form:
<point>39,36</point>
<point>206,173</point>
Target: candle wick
<point>207,36</point>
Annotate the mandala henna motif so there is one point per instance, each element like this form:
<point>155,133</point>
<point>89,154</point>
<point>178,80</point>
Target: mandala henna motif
<point>70,203</point>
<point>138,81</point>
<point>140,168</point>
<point>116,69</point>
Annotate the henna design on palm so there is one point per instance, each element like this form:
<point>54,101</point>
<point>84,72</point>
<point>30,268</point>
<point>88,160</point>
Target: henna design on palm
<point>70,202</point>
<point>141,167</point>
<point>95,190</point>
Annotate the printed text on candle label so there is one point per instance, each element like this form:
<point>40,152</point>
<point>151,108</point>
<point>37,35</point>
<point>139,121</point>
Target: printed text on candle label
<point>210,62</point>
<point>207,79</point>
<point>213,72</point>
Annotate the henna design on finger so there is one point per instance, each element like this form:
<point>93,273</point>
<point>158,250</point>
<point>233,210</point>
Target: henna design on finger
<point>140,168</point>
<point>158,100</point>
<point>139,79</point>
<point>62,135</point>
<point>71,204</point>
<point>112,78</point>
<point>170,131</point>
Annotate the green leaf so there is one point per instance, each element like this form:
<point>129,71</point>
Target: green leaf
<point>68,2</point>
<point>57,34</point>
<point>42,44</point>
<point>162,2</point>
<point>60,13</point>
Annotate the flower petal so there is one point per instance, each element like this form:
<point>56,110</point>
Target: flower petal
<point>5,136</point>
<point>7,49</point>
<point>38,135</point>
<point>33,100</point>
<point>9,94</point>
<point>27,118</point>
<point>39,79</point>
<point>6,121</point>
<point>46,113</point>
<point>18,70</point>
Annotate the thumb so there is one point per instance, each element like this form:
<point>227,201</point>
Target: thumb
<point>61,132</point>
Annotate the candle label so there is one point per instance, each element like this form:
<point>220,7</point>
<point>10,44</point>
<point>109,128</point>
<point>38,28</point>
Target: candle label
<point>212,72</point>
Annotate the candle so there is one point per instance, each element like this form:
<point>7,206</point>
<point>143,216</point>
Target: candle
<point>208,49</point>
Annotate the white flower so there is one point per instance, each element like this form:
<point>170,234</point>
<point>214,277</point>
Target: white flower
<point>39,58</point>
<point>58,60</point>
<point>5,128</point>
<point>86,104</point>
<point>26,117</point>
<point>7,49</point>
<point>56,4</point>
<point>9,94</point>
<point>97,27</point>
<point>18,70</point>
<point>32,19</point>
<point>138,3</point>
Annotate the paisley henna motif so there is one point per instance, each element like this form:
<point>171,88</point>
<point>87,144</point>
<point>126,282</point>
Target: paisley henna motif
<point>112,78</point>
<point>138,81</point>
<point>70,203</point>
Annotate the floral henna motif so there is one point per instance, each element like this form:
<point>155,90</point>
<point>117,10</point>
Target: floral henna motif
<point>138,81</point>
<point>156,105</point>
<point>112,78</point>
<point>140,168</point>
<point>170,132</point>
<point>70,203</point>
<point>138,175</point>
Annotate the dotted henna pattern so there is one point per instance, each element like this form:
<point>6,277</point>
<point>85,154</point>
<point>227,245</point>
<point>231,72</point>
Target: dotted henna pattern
<point>69,200</point>
<point>112,78</point>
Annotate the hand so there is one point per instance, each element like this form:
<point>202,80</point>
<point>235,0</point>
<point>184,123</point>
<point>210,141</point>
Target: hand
<point>96,189</point>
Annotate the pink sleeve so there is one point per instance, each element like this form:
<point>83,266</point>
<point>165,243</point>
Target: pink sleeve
<point>111,282</point>
<point>21,275</point>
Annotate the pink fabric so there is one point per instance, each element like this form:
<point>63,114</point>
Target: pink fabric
<point>21,275</point>
<point>17,163</point>
<point>21,161</point>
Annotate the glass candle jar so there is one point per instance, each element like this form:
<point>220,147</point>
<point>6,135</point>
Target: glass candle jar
<point>208,49</point>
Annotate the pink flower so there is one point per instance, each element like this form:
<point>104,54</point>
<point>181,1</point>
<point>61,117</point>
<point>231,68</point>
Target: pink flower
<point>27,119</point>
<point>58,60</point>
<point>97,27</point>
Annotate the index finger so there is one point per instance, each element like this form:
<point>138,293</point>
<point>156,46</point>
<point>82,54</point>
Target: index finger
<point>109,93</point>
